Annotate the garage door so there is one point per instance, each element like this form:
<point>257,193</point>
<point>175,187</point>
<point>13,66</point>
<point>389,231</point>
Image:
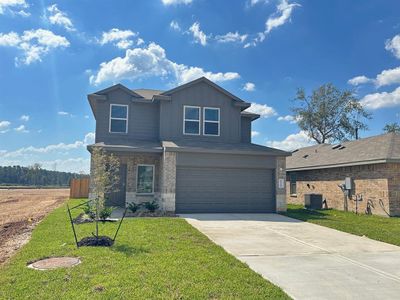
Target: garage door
<point>207,190</point>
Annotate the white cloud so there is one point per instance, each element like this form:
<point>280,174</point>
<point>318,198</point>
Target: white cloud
<point>51,156</point>
<point>120,38</point>
<point>255,2</point>
<point>388,77</point>
<point>139,41</point>
<point>288,118</point>
<point>24,118</point>
<point>65,113</point>
<point>4,126</point>
<point>34,44</point>
<point>381,100</point>
<point>249,87</point>
<point>152,61</point>
<point>15,7</point>
<point>88,139</point>
<point>281,16</point>
<point>292,142</point>
<point>198,35</point>
<point>263,110</point>
<point>359,80</point>
<point>254,133</point>
<point>175,2</point>
<point>231,37</point>
<point>283,13</point>
<point>21,129</point>
<point>58,17</point>
<point>175,25</point>
<point>393,45</point>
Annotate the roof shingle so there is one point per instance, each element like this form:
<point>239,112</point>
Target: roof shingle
<point>380,148</point>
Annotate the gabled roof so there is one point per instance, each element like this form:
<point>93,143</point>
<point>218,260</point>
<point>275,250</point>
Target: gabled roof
<point>241,102</point>
<point>377,149</point>
<point>147,93</point>
<point>119,86</point>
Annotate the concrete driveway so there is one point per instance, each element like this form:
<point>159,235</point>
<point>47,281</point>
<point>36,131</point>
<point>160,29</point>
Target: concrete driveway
<point>306,260</point>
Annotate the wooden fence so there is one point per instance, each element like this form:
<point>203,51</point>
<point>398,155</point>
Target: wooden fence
<point>79,188</point>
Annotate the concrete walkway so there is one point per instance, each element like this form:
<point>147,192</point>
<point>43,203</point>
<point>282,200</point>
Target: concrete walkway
<point>306,260</point>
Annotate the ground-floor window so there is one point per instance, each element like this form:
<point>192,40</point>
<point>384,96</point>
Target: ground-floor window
<point>293,184</point>
<point>145,179</point>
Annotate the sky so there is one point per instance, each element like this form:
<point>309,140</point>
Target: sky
<point>54,53</point>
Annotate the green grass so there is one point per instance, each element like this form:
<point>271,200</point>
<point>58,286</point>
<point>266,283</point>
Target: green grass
<point>153,258</point>
<point>375,227</point>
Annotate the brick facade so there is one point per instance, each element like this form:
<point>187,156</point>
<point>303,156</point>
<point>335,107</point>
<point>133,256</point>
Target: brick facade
<point>164,177</point>
<point>379,185</point>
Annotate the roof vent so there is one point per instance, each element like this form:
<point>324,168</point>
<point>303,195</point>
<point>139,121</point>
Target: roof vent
<point>342,147</point>
<point>305,156</point>
<point>336,146</point>
<point>295,150</point>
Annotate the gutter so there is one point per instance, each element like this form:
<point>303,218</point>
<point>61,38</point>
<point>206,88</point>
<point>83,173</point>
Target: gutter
<point>350,164</point>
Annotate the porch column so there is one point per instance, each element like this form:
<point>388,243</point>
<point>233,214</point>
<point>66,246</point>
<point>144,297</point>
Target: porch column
<point>280,184</point>
<point>168,181</point>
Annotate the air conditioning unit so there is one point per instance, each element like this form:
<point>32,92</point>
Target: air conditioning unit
<point>313,201</point>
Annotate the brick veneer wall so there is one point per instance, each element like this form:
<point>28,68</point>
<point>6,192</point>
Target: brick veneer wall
<point>379,185</point>
<point>394,188</point>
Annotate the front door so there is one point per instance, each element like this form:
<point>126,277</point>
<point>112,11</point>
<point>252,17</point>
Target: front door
<point>118,198</point>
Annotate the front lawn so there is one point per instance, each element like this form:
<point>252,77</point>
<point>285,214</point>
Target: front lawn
<point>375,227</point>
<point>153,258</point>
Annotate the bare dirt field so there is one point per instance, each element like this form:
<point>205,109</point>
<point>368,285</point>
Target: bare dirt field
<point>20,211</point>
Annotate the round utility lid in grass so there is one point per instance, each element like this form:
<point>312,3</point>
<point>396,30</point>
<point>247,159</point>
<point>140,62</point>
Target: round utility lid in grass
<point>54,263</point>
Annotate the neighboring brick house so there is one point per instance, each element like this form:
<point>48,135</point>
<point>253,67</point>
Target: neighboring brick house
<point>372,163</point>
<point>189,148</point>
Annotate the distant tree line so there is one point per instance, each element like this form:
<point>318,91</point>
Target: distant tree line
<point>35,176</point>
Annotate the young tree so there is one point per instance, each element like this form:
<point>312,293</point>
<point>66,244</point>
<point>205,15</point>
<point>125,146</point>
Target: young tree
<point>392,127</point>
<point>104,180</point>
<point>330,114</point>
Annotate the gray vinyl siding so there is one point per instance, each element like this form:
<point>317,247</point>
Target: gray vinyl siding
<point>225,160</point>
<point>246,130</point>
<point>224,190</point>
<point>203,95</point>
<point>143,119</point>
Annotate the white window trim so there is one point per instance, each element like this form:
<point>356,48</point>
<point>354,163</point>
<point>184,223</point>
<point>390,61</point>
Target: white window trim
<point>137,177</point>
<point>204,121</point>
<point>184,119</point>
<point>124,119</point>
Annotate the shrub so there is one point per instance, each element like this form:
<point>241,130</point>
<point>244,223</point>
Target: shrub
<point>105,213</point>
<point>87,209</point>
<point>151,206</point>
<point>133,207</point>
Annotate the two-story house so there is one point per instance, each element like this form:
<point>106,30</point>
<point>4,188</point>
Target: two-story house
<point>190,148</point>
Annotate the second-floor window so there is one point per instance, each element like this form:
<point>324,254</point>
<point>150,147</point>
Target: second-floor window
<point>118,118</point>
<point>191,120</point>
<point>211,121</point>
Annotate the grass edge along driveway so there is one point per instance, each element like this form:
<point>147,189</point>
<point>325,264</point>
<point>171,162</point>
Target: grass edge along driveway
<point>375,227</point>
<point>153,258</point>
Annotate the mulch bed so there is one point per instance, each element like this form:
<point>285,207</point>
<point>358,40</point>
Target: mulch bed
<point>91,241</point>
